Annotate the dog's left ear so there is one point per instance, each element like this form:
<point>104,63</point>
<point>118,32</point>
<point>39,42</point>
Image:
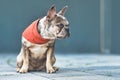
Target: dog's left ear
<point>62,11</point>
<point>52,12</point>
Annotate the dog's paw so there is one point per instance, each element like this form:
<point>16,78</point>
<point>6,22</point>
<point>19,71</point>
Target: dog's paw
<point>55,68</point>
<point>52,69</point>
<point>23,70</point>
<point>18,69</point>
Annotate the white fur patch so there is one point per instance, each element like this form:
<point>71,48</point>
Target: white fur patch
<point>41,24</point>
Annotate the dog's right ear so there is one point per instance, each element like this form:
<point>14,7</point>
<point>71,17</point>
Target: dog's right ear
<point>52,12</point>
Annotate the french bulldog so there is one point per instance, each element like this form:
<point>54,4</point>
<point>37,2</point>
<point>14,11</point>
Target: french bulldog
<point>38,40</point>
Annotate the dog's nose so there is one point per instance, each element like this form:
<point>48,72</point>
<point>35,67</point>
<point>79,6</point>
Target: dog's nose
<point>67,30</point>
<point>68,33</point>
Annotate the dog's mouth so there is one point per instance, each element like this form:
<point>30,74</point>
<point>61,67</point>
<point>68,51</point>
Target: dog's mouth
<point>63,36</point>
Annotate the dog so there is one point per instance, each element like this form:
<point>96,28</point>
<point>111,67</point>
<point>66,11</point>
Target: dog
<point>38,41</point>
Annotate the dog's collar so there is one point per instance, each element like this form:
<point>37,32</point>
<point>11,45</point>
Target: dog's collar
<point>31,34</point>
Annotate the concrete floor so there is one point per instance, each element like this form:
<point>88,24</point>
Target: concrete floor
<point>72,67</point>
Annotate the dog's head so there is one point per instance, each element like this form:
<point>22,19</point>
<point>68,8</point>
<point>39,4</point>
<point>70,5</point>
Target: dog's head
<point>54,25</point>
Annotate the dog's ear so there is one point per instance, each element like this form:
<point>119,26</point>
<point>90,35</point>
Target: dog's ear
<point>62,11</point>
<point>52,12</point>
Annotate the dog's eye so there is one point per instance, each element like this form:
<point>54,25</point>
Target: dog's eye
<point>60,25</point>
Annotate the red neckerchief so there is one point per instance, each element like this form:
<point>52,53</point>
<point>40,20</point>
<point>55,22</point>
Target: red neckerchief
<point>32,35</point>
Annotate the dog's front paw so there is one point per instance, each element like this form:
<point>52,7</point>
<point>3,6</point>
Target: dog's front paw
<point>23,70</point>
<point>50,70</point>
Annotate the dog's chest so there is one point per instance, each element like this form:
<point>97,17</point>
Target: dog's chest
<point>38,52</point>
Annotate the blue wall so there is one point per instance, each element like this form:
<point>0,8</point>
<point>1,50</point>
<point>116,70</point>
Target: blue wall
<point>83,15</point>
<point>115,26</point>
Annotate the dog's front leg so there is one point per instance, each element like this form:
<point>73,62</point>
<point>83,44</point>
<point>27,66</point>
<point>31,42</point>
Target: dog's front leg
<point>25,65</point>
<point>50,60</point>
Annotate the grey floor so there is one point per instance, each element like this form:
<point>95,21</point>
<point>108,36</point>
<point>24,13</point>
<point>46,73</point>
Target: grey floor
<point>73,66</point>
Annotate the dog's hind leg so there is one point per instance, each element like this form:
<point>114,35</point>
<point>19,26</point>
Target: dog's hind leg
<point>20,59</point>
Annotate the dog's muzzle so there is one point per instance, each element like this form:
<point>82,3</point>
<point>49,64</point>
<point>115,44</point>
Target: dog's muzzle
<point>64,33</point>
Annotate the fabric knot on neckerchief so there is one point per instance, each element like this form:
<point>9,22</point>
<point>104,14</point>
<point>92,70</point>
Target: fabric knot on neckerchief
<point>31,34</point>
